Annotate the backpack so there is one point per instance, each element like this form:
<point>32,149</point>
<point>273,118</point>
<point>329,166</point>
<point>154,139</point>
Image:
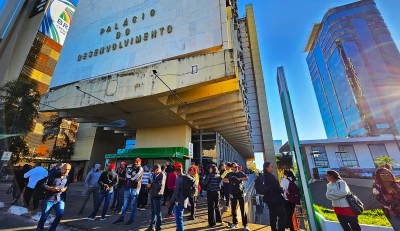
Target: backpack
<point>189,187</point>
<point>235,185</point>
<point>293,193</point>
<point>261,185</point>
<point>40,192</point>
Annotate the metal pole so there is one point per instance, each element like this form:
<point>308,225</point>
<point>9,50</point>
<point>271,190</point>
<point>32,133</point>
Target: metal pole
<point>201,148</point>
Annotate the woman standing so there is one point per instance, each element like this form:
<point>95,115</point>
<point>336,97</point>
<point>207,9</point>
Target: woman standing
<point>337,190</point>
<point>193,170</point>
<point>213,182</point>
<point>289,206</point>
<point>387,191</point>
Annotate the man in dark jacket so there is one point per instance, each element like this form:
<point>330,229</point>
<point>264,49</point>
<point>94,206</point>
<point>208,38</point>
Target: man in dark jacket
<point>107,181</point>
<point>55,185</point>
<point>136,182</point>
<point>156,187</point>
<point>274,199</point>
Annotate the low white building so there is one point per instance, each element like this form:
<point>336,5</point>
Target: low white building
<point>357,154</point>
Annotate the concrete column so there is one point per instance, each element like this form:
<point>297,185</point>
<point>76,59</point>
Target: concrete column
<point>201,147</point>
<point>169,136</point>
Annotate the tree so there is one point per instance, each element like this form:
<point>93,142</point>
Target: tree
<point>57,127</point>
<point>19,102</point>
<point>385,161</point>
<point>284,161</point>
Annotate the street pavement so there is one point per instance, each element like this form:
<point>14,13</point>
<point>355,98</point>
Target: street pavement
<point>73,221</point>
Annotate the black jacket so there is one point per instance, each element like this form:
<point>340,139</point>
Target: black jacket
<point>274,195</point>
<point>158,185</point>
<point>109,178</point>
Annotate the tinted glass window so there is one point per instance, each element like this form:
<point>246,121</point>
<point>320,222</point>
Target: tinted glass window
<point>330,94</point>
<point>344,91</point>
<point>377,150</point>
<point>324,109</point>
<point>320,157</point>
<point>347,155</point>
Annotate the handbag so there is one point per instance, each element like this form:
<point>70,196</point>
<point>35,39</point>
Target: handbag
<point>9,190</point>
<point>354,202</point>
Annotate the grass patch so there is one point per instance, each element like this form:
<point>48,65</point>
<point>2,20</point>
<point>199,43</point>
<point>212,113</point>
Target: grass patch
<point>368,217</point>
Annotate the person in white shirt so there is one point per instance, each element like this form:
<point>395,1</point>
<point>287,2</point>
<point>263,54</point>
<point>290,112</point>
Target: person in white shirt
<point>34,175</point>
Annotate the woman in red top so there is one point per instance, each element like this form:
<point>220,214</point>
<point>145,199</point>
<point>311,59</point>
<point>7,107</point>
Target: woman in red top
<point>386,188</point>
<point>337,190</point>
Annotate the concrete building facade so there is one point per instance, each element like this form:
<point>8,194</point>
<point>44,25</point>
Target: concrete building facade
<point>355,70</point>
<point>177,77</point>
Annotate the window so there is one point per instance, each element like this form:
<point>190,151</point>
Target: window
<point>377,150</point>
<point>320,157</point>
<point>346,156</point>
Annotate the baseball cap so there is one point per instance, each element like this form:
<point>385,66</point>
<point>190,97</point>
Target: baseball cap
<point>123,162</point>
<point>111,167</point>
<point>177,165</point>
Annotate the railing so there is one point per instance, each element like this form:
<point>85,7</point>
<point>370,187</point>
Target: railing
<point>250,192</point>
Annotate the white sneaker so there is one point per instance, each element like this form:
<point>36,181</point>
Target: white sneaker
<point>232,226</point>
<point>103,219</point>
<point>246,228</point>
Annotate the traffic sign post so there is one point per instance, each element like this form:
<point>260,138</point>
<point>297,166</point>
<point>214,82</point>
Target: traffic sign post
<point>4,160</point>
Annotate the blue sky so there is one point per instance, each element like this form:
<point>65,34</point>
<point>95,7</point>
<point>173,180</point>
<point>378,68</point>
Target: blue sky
<point>283,27</point>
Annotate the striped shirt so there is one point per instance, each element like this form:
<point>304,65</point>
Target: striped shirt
<point>146,178</point>
<point>214,182</point>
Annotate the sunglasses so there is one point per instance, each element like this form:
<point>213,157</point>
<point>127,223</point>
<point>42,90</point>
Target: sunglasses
<point>384,174</point>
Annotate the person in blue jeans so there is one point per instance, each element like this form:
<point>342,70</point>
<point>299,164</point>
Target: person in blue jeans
<point>107,181</point>
<point>133,193</point>
<point>120,188</point>
<point>156,191</point>
<point>55,185</point>
<point>178,199</point>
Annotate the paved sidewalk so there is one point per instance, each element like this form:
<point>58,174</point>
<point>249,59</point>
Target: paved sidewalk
<point>79,222</point>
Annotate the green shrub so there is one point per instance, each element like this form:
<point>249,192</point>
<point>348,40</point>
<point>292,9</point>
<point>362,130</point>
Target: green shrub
<point>368,217</point>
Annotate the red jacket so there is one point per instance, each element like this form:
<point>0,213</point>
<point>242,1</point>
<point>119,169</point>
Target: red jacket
<point>171,180</point>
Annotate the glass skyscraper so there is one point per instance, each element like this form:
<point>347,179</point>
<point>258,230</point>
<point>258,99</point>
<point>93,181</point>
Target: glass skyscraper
<point>355,70</point>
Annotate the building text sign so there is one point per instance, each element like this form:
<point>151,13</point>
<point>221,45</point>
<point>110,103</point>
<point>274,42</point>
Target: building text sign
<point>6,156</point>
<point>109,37</point>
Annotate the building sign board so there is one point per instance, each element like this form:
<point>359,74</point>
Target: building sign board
<point>6,156</point>
<point>104,39</point>
<point>57,20</point>
<point>191,150</point>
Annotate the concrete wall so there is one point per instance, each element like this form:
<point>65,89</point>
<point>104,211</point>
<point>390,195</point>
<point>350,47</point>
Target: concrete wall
<point>362,151</point>
<point>170,136</point>
<point>17,43</point>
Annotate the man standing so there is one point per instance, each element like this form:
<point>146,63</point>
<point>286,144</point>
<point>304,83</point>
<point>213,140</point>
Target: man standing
<point>168,167</point>
<point>274,199</point>
<point>225,185</point>
<point>156,192</point>
<point>106,181</point>
<point>56,169</point>
<point>34,175</point>
<point>55,185</point>
<point>235,180</point>
<point>119,194</point>
<point>178,199</point>
<point>136,182</point>
<point>92,187</point>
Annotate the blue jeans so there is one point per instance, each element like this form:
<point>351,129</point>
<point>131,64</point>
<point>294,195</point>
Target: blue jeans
<point>102,194</point>
<point>156,215</point>
<point>120,198</point>
<point>46,207</point>
<point>178,211</point>
<point>395,222</point>
<point>132,197</point>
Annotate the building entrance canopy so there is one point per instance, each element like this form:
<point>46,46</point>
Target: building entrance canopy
<point>150,153</point>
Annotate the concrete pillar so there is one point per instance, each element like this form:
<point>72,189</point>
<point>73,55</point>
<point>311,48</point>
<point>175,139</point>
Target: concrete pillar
<point>169,136</point>
<point>93,143</point>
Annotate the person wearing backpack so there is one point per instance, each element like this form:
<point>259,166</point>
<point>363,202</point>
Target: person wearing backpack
<point>337,190</point>
<point>236,190</point>
<point>34,175</point>
<point>291,194</point>
<point>54,185</point>
<point>178,198</point>
<point>274,199</point>
<point>213,182</point>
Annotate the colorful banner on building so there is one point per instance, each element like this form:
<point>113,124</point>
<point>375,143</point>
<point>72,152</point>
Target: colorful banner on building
<point>57,20</point>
